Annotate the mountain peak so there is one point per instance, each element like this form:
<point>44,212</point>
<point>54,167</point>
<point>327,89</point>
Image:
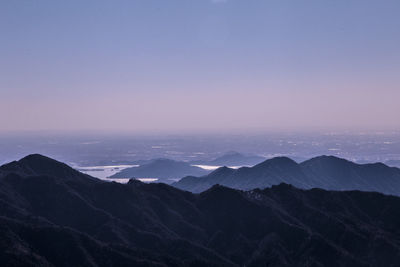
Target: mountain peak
<point>218,190</point>
<point>222,171</point>
<point>277,161</point>
<point>39,159</point>
<point>327,159</point>
<point>37,164</point>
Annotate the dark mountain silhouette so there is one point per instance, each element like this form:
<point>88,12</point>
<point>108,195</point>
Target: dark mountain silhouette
<point>340,174</point>
<point>51,215</point>
<point>35,164</point>
<point>162,169</point>
<point>232,159</point>
<point>321,172</point>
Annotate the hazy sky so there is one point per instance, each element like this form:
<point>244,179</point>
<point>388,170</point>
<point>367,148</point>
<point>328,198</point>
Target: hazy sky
<point>199,65</point>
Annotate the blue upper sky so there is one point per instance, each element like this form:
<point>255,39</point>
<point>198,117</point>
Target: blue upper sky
<point>199,65</point>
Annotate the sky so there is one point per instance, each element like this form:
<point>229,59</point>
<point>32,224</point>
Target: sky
<point>199,65</point>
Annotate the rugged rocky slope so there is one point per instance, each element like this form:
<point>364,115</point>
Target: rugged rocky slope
<point>52,215</point>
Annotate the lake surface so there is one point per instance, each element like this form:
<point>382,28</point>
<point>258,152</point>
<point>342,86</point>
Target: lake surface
<point>103,172</point>
<point>213,168</point>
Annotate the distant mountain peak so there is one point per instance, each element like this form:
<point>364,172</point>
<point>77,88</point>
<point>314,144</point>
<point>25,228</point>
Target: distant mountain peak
<point>222,171</point>
<point>330,158</point>
<point>277,161</point>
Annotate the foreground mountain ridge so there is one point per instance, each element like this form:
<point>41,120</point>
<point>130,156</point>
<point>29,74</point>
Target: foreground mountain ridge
<point>61,220</point>
<point>327,172</point>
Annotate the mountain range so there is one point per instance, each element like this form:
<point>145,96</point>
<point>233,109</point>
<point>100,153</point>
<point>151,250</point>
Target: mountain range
<point>162,169</point>
<point>53,215</point>
<point>166,169</point>
<point>325,172</point>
